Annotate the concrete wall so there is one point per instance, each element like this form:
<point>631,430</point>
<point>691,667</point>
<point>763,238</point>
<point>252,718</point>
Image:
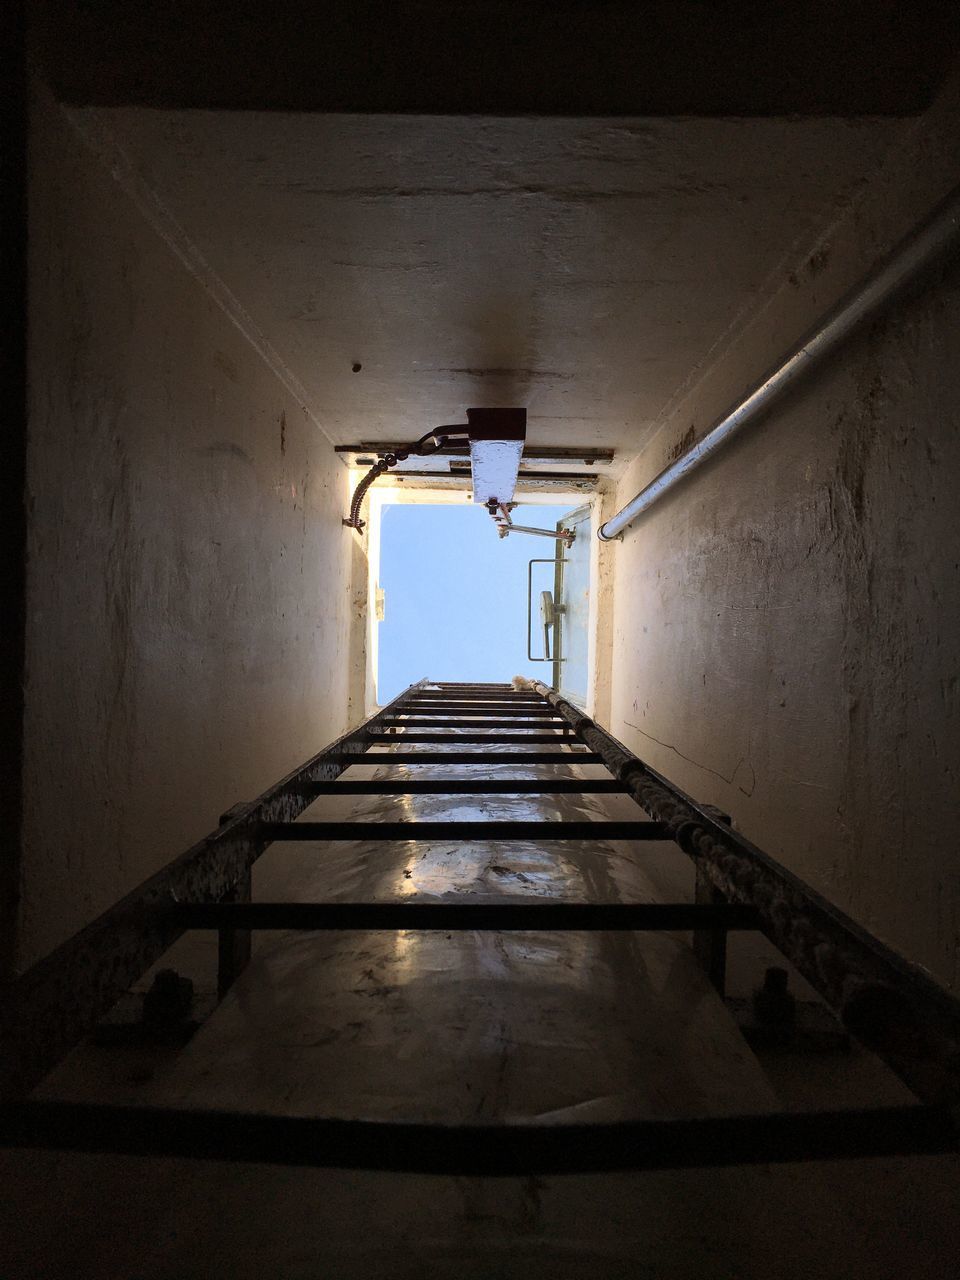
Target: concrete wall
<point>189,586</point>
<point>787,622</point>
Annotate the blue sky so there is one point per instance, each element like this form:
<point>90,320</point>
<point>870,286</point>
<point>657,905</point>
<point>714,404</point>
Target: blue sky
<point>455,606</point>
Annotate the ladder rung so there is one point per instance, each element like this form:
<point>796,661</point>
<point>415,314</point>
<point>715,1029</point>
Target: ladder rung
<point>479,709</point>
<point>457,786</point>
<point>569,756</point>
<point>458,916</point>
<point>474,699</point>
<point>482,695</point>
<point>523,830</point>
<point>476,708</point>
<point>481,1150</point>
<point>533,698</point>
<point>497,737</point>
<point>477,723</point>
<point>503,700</point>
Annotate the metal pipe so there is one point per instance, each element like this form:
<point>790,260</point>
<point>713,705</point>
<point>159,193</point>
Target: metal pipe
<point>504,530</point>
<point>918,251</point>
<point>505,526</point>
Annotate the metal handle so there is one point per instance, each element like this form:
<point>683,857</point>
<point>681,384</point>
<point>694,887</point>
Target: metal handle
<point>546,646</point>
<point>548,616</point>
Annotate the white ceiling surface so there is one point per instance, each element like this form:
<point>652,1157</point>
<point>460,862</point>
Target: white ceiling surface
<point>582,268</point>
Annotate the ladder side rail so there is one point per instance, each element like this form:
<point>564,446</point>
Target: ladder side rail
<point>51,1006</point>
<point>891,1006</point>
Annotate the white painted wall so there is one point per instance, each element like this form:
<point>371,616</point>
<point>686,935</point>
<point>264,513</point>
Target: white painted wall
<point>189,577</point>
<point>787,622</point>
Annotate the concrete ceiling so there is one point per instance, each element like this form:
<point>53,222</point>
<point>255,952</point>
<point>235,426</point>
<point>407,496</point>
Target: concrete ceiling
<point>584,268</point>
<point>501,57</point>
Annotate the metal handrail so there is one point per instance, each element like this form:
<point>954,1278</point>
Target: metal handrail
<point>922,248</point>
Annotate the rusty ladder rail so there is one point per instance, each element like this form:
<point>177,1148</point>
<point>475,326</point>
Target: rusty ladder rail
<point>894,1008</point>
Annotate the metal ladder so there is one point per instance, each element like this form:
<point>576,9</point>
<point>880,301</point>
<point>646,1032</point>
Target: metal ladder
<point>894,1008</point>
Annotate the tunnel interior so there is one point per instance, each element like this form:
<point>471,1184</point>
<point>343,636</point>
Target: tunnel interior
<point>257,255</point>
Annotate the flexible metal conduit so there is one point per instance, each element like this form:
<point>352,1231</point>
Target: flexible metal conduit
<point>919,250</point>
